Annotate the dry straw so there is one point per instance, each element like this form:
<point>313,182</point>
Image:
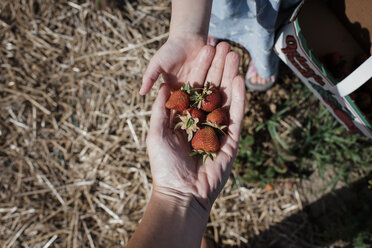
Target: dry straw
<point>74,169</point>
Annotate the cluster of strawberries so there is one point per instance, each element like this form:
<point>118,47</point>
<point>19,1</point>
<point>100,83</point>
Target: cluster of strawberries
<point>200,115</point>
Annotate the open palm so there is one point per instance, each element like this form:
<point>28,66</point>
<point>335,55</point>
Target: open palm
<point>180,59</point>
<point>173,170</point>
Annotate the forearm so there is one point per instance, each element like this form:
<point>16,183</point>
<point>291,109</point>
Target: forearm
<point>170,221</point>
<point>190,17</point>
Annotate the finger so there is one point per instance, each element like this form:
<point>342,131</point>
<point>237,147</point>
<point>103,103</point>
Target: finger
<point>236,108</point>
<point>229,143</point>
<point>159,114</point>
<point>201,65</point>
<point>236,114</point>
<point>229,73</point>
<point>215,71</point>
<point>151,75</point>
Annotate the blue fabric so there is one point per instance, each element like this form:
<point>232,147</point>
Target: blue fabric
<point>251,23</point>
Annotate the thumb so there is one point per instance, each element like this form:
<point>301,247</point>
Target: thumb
<point>159,114</point>
<point>151,75</point>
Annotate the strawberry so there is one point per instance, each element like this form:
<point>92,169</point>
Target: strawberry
<point>218,118</point>
<point>195,113</point>
<point>190,121</point>
<point>212,101</point>
<point>206,139</point>
<point>179,101</point>
<point>208,100</point>
<point>206,143</point>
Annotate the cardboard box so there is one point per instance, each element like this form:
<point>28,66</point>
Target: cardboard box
<point>322,45</point>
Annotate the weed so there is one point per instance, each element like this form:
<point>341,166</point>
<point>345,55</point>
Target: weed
<point>317,139</point>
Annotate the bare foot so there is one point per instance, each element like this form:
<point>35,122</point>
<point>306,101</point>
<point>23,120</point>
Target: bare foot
<point>257,79</point>
<point>255,82</point>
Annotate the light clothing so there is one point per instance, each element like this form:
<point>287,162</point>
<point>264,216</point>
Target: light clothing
<point>252,23</point>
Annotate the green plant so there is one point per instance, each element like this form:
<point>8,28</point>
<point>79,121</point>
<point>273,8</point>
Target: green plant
<point>363,240</point>
<point>324,142</point>
<point>272,152</point>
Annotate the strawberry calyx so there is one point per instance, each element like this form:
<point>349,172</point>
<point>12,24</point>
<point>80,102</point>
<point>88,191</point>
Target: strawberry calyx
<point>220,128</point>
<point>189,124</point>
<point>198,97</point>
<point>186,88</point>
<point>205,154</point>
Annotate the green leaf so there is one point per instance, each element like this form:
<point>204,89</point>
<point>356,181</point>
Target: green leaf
<point>187,88</point>
<point>193,153</point>
<point>211,156</point>
<point>274,134</point>
<point>280,170</point>
<point>251,176</point>
<point>248,141</point>
<point>189,123</point>
<point>270,172</point>
<point>204,158</point>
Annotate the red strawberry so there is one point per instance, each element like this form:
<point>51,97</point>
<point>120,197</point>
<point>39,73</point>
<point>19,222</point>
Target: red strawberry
<point>218,118</point>
<point>206,143</point>
<point>195,113</point>
<point>179,101</point>
<point>190,121</point>
<point>212,101</point>
<point>208,100</point>
<point>206,140</point>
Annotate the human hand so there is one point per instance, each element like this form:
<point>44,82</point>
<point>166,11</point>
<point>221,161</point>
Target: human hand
<point>174,172</point>
<point>181,59</point>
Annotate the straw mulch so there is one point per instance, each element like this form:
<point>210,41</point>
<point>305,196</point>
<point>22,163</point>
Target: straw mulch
<point>74,169</point>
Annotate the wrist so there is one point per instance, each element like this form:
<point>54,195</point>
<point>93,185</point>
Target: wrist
<point>183,204</point>
<point>185,33</point>
<point>172,220</point>
<point>186,40</point>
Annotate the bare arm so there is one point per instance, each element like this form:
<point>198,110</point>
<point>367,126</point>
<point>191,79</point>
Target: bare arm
<point>172,221</point>
<point>190,17</point>
<point>185,47</point>
<point>184,188</point>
